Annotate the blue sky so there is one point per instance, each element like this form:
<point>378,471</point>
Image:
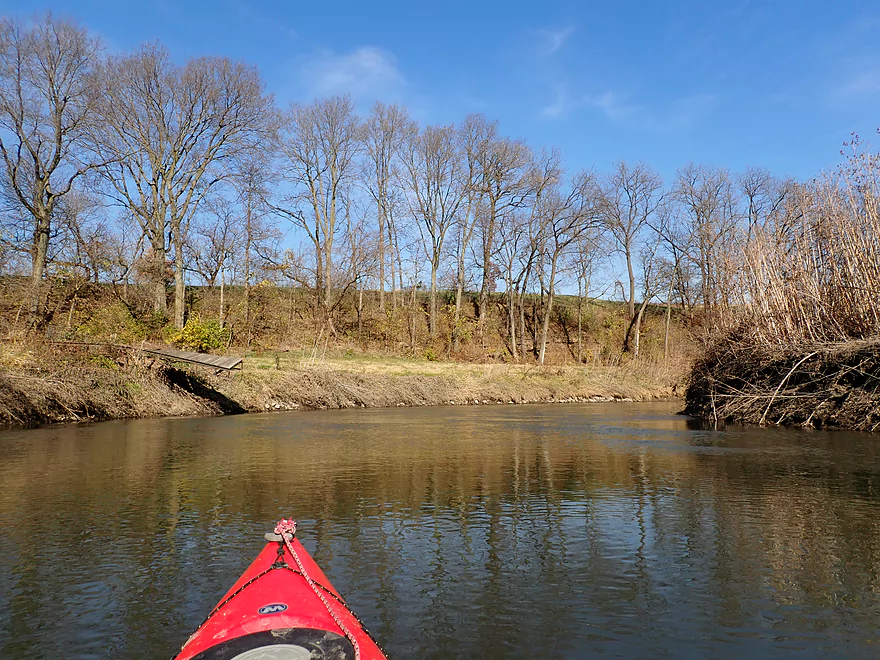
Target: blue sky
<point>774,84</point>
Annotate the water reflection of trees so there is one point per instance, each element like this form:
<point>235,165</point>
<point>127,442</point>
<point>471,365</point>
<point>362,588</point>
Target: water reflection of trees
<point>473,533</point>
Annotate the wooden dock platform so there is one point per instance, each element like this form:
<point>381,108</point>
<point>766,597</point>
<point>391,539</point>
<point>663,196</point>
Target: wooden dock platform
<point>203,359</point>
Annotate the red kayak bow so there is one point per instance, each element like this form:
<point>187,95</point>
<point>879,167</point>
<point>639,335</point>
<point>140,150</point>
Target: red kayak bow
<point>282,608</point>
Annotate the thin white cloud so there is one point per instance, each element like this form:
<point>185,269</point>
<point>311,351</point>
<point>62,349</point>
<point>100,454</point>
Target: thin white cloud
<point>258,17</point>
<point>613,106</point>
<point>841,68</point>
<point>553,40</point>
<point>366,71</point>
<point>559,107</point>
<point>678,114</point>
<point>858,85</point>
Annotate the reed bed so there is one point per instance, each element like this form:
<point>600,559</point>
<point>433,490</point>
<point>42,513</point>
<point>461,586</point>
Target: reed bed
<point>813,274</point>
<point>804,345</point>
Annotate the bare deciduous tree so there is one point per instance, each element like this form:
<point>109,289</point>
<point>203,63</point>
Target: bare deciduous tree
<point>438,188</point>
<point>564,218</point>
<point>47,99</point>
<point>216,233</point>
<point>651,283</point>
<point>386,131</point>
<point>707,203</point>
<point>475,134</point>
<point>503,186</point>
<point>631,197</point>
<point>168,132</point>
<point>257,229</point>
<point>86,236</point>
<point>585,256</point>
<point>765,196</point>
<point>319,145</point>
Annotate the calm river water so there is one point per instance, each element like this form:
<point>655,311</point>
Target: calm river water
<point>557,531</point>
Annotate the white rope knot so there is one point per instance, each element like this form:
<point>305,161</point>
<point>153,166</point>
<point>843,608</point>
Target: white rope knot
<point>286,528</point>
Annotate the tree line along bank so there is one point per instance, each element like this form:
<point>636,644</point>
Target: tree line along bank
<point>137,172</point>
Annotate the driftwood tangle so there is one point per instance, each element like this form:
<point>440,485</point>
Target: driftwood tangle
<point>833,385</point>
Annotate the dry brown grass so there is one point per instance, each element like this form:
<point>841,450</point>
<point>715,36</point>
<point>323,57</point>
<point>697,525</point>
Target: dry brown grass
<point>40,385</point>
<point>410,383</point>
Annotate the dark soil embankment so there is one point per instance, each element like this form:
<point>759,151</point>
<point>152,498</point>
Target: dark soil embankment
<point>825,385</point>
<point>40,389</point>
<point>29,397</point>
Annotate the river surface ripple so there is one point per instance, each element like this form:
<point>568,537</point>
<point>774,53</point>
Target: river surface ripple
<point>562,531</point>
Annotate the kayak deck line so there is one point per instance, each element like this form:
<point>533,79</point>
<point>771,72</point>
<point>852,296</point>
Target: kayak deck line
<point>279,564</point>
<point>279,611</point>
<point>286,528</point>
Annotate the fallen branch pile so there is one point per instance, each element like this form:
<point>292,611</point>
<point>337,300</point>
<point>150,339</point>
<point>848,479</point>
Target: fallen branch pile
<point>833,385</point>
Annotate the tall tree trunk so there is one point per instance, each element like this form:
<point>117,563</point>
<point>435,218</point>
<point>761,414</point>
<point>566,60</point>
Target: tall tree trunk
<point>668,318</point>
<point>456,332</point>
<point>40,258</point>
<point>580,315</point>
<point>545,327</point>
<point>41,248</point>
<point>488,242</point>
<point>412,318</point>
<point>631,303</point>
<point>637,330</point>
<point>319,282</point>
<point>382,258</point>
<point>432,324</point>
<point>547,309</point>
<point>534,325</point>
<point>327,298</point>
<point>393,285</point>
<point>511,318</point>
<point>160,289</point>
<point>179,281</point>
<point>160,292</point>
<point>248,244</point>
<point>70,312</point>
<point>329,233</point>
<point>399,257</point>
<point>459,291</point>
<point>222,298</point>
<point>360,312</point>
<point>666,330</point>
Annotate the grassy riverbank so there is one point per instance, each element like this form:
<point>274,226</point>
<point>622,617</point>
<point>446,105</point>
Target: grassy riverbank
<point>38,387</point>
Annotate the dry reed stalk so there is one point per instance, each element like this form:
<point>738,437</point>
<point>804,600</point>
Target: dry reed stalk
<point>814,276</point>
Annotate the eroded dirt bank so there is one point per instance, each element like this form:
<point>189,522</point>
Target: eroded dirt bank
<point>34,392</point>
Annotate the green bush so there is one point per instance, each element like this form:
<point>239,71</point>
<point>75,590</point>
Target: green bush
<point>201,335</point>
<point>113,323</point>
<point>104,362</point>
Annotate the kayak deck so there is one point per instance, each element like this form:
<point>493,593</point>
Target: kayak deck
<point>282,608</point>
